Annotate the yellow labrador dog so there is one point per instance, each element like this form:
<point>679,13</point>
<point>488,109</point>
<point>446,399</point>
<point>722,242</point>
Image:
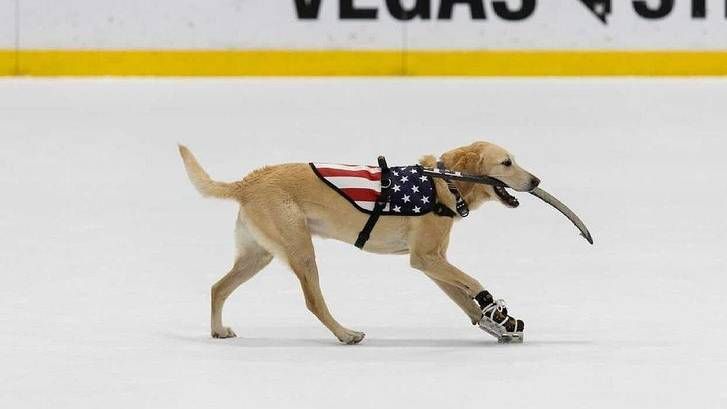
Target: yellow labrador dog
<point>283,206</point>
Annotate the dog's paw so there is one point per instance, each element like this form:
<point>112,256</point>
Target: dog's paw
<point>224,332</point>
<point>350,337</point>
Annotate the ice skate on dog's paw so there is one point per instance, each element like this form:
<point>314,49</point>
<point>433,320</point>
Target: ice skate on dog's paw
<point>507,331</point>
<point>497,323</point>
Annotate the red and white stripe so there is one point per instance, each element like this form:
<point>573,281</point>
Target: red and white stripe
<point>361,184</point>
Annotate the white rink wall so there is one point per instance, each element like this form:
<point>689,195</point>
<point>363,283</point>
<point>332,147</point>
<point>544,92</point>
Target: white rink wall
<point>261,24</point>
<point>8,19</point>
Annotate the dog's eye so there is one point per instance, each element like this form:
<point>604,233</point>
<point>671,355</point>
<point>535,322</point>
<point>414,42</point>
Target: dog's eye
<point>507,163</point>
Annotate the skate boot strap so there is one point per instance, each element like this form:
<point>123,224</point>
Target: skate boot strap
<point>499,306</point>
<point>497,313</point>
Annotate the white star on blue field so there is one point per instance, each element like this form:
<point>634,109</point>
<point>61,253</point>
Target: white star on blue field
<point>410,194</point>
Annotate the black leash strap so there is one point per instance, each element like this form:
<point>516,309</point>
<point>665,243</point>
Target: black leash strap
<point>460,203</point>
<point>381,202</point>
<point>453,175</point>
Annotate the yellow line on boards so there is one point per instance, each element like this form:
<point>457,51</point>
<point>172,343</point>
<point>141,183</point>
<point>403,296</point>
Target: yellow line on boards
<point>7,62</point>
<point>567,63</point>
<point>360,63</point>
<point>208,63</point>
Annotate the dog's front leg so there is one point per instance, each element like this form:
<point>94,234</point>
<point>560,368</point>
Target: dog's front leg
<point>459,286</point>
<point>439,269</point>
<point>428,245</point>
<point>469,306</point>
<point>494,319</point>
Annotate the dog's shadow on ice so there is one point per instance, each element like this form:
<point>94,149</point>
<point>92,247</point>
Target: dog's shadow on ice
<point>373,342</point>
<point>459,343</point>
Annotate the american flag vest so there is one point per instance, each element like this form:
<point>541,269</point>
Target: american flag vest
<point>411,192</point>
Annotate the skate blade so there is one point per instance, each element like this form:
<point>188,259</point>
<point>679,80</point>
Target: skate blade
<point>497,331</point>
<point>511,338</point>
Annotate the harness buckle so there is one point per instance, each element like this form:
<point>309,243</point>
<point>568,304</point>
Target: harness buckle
<point>460,204</point>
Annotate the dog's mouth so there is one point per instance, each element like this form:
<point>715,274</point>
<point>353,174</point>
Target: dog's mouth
<point>506,198</point>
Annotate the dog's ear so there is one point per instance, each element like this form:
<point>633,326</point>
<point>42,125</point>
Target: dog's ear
<point>469,162</point>
<point>466,159</point>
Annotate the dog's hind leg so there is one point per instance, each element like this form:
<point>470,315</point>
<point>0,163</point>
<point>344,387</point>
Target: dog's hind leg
<point>304,267</point>
<point>251,258</point>
<point>283,230</point>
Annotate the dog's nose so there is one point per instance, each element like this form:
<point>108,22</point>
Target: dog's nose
<point>534,182</point>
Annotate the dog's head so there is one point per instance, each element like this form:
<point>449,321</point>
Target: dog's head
<point>487,159</point>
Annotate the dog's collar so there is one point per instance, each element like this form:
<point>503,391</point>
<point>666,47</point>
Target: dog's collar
<point>460,204</point>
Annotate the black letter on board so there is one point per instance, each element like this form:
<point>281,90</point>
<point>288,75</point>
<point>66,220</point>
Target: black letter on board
<point>421,9</point>
<point>349,11</point>
<point>665,7</point>
<point>526,10</point>
<point>307,9</point>
<point>477,10</point>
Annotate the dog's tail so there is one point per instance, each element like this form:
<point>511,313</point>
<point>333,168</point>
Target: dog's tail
<point>202,181</point>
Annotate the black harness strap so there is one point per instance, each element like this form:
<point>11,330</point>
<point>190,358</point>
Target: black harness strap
<point>441,210</point>
<point>365,233</point>
<point>462,208</point>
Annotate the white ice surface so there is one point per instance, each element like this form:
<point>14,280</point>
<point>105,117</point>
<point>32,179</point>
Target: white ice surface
<point>107,253</point>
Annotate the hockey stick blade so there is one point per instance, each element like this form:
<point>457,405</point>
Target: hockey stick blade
<point>551,200</point>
